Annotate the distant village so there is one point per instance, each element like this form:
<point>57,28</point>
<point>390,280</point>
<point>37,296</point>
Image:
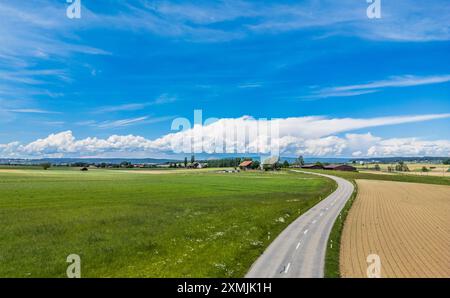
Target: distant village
<point>238,163</point>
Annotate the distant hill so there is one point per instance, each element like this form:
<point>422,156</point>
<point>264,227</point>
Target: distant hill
<point>423,159</point>
<point>60,161</point>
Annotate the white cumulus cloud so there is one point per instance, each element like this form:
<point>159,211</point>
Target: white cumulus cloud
<point>310,136</point>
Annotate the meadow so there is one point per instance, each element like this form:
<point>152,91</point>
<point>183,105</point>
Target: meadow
<point>125,224</point>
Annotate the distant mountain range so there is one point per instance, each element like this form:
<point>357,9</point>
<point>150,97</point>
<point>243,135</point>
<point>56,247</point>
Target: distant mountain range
<point>60,161</point>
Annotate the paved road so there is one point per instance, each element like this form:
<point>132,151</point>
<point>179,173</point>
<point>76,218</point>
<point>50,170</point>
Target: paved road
<point>299,251</point>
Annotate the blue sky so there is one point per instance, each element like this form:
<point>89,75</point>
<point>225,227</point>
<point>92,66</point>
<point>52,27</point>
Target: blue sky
<point>127,70</point>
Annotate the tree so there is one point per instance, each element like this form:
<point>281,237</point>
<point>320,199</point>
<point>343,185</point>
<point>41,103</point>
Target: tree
<point>256,164</point>
<point>185,162</point>
<point>377,167</point>
<point>425,169</point>
<point>401,167</point>
<point>192,158</point>
<point>319,164</point>
<point>446,162</point>
<point>238,161</point>
<point>300,160</point>
<point>46,165</point>
<point>285,164</point>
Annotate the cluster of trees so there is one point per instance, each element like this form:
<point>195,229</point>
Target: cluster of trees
<point>230,162</point>
<point>177,165</point>
<point>401,167</point>
<point>446,162</point>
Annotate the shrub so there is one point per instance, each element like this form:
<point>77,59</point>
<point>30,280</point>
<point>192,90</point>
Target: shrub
<point>46,165</point>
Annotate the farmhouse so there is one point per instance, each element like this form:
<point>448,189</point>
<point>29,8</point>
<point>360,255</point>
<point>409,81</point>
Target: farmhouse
<point>270,163</point>
<point>246,165</point>
<point>340,168</point>
<point>197,165</point>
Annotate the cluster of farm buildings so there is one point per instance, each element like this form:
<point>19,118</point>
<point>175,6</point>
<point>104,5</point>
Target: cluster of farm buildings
<point>273,163</point>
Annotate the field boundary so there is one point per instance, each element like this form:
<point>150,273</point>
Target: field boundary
<point>332,256</point>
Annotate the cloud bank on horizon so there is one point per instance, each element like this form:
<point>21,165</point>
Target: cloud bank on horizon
<point>309,136</point>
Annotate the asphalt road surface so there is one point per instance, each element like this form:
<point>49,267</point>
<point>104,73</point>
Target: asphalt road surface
<point>299,251</point>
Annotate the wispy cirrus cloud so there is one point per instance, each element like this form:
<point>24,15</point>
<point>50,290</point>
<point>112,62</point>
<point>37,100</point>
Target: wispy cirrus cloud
<point>122,122</point>
<point>122,108</point>
<point>30,111</point>
<point>112,124</point>
<point>160,100</point>
<point>398,81</point>
<point>209,21</point>
<point>37,31</point>
<point>165,99</point>
<point>42,31</point>
<point>377,86</point>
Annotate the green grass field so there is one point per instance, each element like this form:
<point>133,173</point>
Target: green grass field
<point>122,224</point>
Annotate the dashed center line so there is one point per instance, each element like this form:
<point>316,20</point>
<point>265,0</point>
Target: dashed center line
<point>314,221</point>
<point>321,213</point>
<point>306,231</point>
<point>298,245</point>
<point>287,268</point>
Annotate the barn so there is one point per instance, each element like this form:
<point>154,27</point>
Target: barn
<point>346,168</point>
<point>313,167</point>
<point>246,165</point>
<point>270,163</point>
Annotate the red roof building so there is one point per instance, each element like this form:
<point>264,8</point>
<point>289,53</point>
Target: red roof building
<point>246,164</point>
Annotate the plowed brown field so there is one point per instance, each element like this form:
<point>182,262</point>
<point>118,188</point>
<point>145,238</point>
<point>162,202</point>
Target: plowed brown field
<point>406,224</point>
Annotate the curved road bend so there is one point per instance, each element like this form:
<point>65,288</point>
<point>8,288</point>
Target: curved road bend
<point>299,251</point>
